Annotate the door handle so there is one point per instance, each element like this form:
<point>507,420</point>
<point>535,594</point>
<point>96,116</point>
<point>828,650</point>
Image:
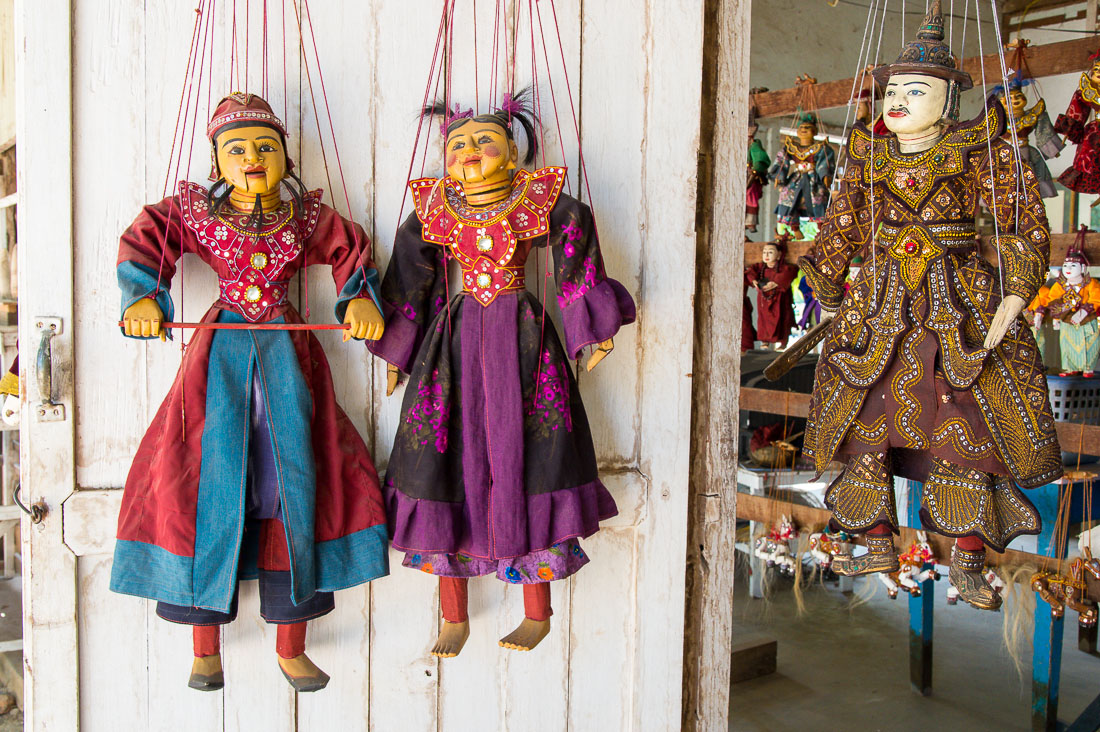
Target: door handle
<point>47,410</point>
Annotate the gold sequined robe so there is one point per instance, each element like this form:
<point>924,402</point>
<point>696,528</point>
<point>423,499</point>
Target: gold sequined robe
<point>903,369</point>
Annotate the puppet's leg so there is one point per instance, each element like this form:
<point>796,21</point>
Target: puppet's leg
<point>299,670</point>
<point>862,496</point>
<point>968,574</point>
<point>536,624</point>
<point>454,597</point>
<point>206,670</point>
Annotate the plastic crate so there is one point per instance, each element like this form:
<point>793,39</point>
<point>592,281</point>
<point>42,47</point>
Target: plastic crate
<point>1074,399</point>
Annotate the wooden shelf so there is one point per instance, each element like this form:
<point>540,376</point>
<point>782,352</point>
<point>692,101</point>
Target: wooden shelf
<point>1047,60</point>
<point>1059,243</point>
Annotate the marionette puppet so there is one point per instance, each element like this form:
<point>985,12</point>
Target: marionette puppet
<point>927,371</point>
<point>493,470</point>
<point>1075,124</point>
<point>802,172</point>
<point>758,162</point>
<point>1074,300</point>
<point>1028,122</point>
<point>772,279</point>
<point>250,469</point>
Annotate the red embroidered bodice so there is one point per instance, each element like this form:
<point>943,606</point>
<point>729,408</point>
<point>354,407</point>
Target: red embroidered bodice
<point>255,277</point>
<point>491,243</point>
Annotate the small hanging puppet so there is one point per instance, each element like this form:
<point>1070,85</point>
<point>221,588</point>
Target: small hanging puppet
<point>250,469</point>
<point>911,573</point>
<point>802,172</point>
<point>1034,121</point>
<point>748,331</point>
<point>1084,176</point>
<point>493,470</point>
<point>758,162</point>
<point>775,546</point>
<point>925,372</point>
<point>1074,300</point>
<point>772,279</point>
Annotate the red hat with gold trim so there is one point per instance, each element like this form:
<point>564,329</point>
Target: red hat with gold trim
<point>237,108</point>
<point>1076,251</point>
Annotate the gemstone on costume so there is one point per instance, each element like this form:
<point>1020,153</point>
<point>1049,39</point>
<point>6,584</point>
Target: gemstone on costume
<point>258,260</point>
<point>252,293</point>
<point>484,280</point>
<point>910,247</point>
<point>484,243</point>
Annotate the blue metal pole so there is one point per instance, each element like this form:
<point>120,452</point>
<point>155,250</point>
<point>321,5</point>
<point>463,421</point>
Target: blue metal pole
<point>920,610</point>
<point>1046,658</point>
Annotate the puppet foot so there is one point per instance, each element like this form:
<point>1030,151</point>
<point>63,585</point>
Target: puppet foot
<point>1088,374</point>
<point>303,674</point>
<point>206,673</point>
<point>880,557</point>
<point>451,639</point>
<point>968,577</point>
<point>527,635</point>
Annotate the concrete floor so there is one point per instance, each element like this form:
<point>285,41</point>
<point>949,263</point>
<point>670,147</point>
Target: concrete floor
<point>847,668</point>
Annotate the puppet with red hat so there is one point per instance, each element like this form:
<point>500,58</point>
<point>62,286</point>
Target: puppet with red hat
<point>1072,302</point>
<point>249,469</point>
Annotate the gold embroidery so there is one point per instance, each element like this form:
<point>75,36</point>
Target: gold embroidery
<point>956,433</point>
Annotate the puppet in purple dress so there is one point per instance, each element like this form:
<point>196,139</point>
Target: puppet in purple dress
<point>493,470</point>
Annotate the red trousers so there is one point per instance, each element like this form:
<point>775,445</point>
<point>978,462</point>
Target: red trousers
<point>454,597</point>
<point>290,640</point>
<point>966,543</point>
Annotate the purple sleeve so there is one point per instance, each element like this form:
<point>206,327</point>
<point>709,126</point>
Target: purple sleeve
<point>413,292</point>
<point>593,305</point>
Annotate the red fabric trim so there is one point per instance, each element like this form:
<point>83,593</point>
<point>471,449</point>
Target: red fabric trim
<point>970,543</point>
<point>274,555</point>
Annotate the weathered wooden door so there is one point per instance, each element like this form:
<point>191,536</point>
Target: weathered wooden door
<point>98,85</point>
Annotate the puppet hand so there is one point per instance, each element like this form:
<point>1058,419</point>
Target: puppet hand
<point>143,319</point>
<point>1077,317</point>
<point>600,353</point>
<point>365,320</point>
<point>769,286</point>
<point>10,413</point>
<point>1007,312</point>
<point>1038,320</point>
<point>1056,323</point>
<point>393,378</point>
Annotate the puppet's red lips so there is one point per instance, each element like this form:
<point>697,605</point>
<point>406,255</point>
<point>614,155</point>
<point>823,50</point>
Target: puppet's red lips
<point>896,113</point>
<point>472,159</point>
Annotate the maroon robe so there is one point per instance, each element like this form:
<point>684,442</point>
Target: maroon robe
<point>775,308</point>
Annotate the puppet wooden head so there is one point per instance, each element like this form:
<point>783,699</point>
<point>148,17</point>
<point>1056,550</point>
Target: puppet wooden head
<point>248,146</point>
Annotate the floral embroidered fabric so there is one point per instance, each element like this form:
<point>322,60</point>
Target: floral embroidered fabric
<point>555,563</point>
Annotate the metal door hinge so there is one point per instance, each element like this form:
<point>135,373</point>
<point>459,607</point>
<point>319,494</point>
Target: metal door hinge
<point>47,410</point>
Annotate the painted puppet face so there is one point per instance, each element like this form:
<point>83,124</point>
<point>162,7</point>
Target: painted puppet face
<point>806,132</point>
<point>1094,74</point>
<point>480,152</point>
<point>913,103</point>
<point>770,256</point>
<point>1073,271</point>
<point>251,159</point>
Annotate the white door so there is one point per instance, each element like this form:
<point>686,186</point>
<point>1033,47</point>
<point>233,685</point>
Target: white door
<point>99,88</point>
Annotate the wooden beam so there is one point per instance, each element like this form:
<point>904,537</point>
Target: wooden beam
<point>766,510</point>
<point>1083,438</point>
<point>1050,59</point>
<point>1059,244</point>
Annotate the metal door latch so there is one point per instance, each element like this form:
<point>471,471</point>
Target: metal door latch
<point>47,410</point>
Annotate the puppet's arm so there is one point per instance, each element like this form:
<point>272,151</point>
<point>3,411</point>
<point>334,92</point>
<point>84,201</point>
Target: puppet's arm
<point>147,255</point>
<point>344,245</point>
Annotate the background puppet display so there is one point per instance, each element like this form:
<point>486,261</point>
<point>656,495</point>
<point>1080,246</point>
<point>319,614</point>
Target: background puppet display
<point>1028,122</point>
<point>921,375</point>
<point>493,470</point>
<point>1074,300</point>
<point>1084,176</point>
<point>802,171</point>
<point>757,169</point>
<point>772,279</point>
<point>249,469</point>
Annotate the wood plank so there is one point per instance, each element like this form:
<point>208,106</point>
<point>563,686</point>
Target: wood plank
<point>752,657</point>
<point>1049,59</point>
<point>716,370</point>
<point>673,57</point>
<point>44,126</point>
<point>766,510</point>
<point>1059,245</point>
<point>771,401</point>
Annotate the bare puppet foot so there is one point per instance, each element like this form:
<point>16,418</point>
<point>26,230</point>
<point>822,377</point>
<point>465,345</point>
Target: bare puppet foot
<point>206,673</point>
<point>527,635</point>
<point>303,674</point>
<point>451,639</point>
